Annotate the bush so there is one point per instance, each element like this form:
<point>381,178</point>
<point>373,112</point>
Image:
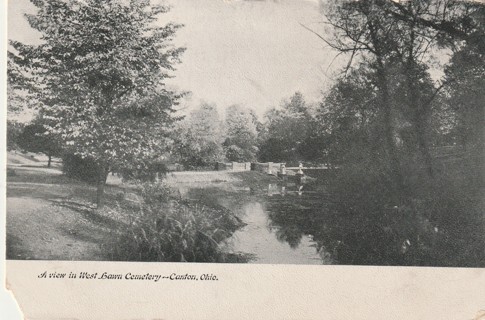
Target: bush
<point>14,129</point>
<point>84,169</point>
<point>143,171</point>
<point>163,228</point>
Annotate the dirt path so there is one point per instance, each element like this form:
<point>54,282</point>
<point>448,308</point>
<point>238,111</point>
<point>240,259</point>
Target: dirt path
<point>50,217</point>
<point>40,230</point>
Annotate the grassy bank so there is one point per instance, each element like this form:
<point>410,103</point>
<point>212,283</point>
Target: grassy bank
<point>50,216</point>
<point>242,177</point>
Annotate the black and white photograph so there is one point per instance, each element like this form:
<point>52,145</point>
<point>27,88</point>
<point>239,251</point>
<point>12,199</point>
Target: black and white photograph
<point>313,132</point>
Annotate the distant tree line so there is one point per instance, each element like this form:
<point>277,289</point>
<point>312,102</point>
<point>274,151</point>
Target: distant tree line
<point>287,133</point>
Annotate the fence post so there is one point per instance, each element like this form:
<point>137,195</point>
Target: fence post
<point>283,169</point>
<point>300,167</point>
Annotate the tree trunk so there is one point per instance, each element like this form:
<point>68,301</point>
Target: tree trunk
<point>389,130</point>
<point>102,177</point>
<point>477,152</point>
<point>395,164</point>
<point>386,107</point>
<point>424,147</point>
<point>420,116</point>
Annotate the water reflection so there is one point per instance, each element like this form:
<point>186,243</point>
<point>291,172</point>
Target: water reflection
<point>263,237</point>
<point>306,224</point>
<point>286,188</point>
<point>266,241</point>
<point>342,232</point>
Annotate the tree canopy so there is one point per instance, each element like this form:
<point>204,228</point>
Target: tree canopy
<point>288,131</point>
<point>35,138</point>
<point>99,77</point>
<point>396,42</point>
<point>199,138</point>
<point>241,134</point>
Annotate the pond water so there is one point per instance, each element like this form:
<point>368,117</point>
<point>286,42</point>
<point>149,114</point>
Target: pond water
<point>289,223</point>
<point>262,239</point>
<point>266,238</point>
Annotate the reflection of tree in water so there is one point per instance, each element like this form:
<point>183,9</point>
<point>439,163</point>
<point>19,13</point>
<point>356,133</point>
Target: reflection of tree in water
<point>288,228</point>
<point>350,237</point>
<point>291,219</point>
<point>363,226</point>
<point>349,241</point>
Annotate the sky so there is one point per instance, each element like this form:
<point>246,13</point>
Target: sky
<point>253,53</point>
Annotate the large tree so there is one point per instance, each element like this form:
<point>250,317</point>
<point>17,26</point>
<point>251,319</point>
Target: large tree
<point>99,75</point>
<point>287,131</point>
<point>421,28</point>
<point>347,118</point>
<point>36,138</point>
<point>467,98</point>
<point>199,138</point>
<point>241,134</point>
<point>396,39</point>
<point>360,29</point>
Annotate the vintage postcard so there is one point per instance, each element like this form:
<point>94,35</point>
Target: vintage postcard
<point>244,159</point>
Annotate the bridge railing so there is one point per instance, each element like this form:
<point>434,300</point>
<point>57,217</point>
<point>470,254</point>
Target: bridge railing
<point>233,166</point>
<point>264,167</point>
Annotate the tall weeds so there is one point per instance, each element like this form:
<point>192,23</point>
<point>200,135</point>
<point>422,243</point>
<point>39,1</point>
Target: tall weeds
<point>163,228</point>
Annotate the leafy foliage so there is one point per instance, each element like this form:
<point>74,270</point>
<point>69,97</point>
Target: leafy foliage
<point>466,99</point>
<point>198,139</point>
<point>396,42</point>
<point>165,229</point>
<point>288,131</point>
<point>76,167</point>
<point>347,117</point>
<point>36,138</point>
<point>99,76</point>
<point>14,130</point>
<point>144,171</point>
<point>241,134</point>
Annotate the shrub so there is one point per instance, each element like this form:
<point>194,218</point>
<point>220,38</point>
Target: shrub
<point>163,228</point>
<point>143,171</point>
<point>85,169</point>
